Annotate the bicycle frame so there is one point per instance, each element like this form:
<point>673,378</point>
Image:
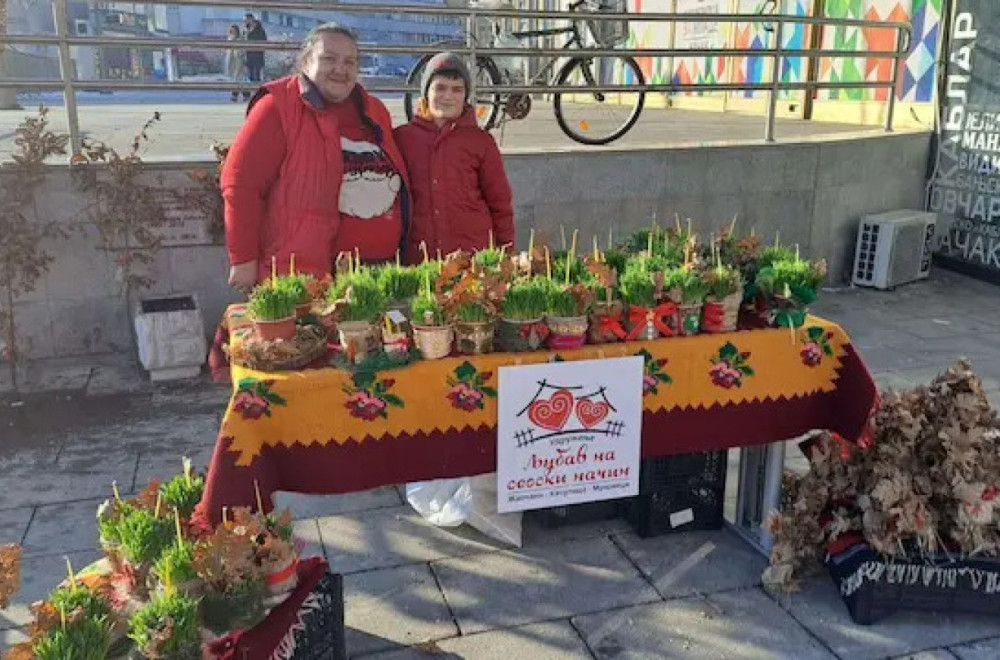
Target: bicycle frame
<point>574,42</point>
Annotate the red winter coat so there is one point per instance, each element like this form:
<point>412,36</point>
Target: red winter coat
<point>460,190</point>
<point>281,180</point>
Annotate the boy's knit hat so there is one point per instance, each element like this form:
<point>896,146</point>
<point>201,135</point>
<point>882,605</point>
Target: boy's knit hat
<point>445,63</point>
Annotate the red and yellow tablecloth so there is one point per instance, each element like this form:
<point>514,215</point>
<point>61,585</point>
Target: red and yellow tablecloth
<point>330,431</point>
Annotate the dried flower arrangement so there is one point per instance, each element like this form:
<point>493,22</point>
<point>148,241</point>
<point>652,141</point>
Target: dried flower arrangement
<point>926,482</point>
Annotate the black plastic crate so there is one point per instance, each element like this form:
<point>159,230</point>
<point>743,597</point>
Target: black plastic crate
<point>684,492</point>
<point>681,509</point>
<point>694,470</point>
<point>873,586</point>
<point>577,514</point>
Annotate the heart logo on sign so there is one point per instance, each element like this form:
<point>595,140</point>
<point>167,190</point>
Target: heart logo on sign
<point>591,414</point>
<point>553,412</point>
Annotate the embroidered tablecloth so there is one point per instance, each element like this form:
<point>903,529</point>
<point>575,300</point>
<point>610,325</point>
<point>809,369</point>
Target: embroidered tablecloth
<point>327,430</point>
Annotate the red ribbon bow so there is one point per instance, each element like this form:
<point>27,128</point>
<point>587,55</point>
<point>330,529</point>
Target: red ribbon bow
<point>611,324</point>
<point>400,344</point>
<point>714,314</point>
<point>638,317</point>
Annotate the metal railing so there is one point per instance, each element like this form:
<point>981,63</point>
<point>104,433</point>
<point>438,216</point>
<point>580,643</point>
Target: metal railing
<point>776,52</point>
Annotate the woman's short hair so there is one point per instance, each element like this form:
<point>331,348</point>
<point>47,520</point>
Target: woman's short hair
<point>317,33</point>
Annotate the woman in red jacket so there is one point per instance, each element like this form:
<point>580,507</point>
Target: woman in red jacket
<point>314,171</point>
<point>460,190</point>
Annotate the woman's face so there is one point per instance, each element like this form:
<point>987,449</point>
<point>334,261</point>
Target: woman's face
<point>446,97</point>
<point>333,67</point>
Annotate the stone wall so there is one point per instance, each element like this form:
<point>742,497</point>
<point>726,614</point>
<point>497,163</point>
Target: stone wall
<point>813,193</point>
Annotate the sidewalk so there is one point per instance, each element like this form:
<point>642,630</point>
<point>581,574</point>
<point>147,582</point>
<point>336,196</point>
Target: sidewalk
<point>590,591</point>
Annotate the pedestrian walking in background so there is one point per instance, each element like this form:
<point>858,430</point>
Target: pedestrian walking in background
<point>254,58</point>
<point>236,66</point>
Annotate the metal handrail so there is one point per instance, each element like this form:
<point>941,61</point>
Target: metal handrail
<point>776,53</point>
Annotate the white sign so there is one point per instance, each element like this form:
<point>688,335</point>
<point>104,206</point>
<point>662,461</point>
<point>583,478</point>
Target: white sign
<point>568,432</point>
<point>700,35</point>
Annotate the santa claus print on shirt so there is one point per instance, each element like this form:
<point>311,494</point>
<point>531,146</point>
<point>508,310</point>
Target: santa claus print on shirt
<point>370,184</point>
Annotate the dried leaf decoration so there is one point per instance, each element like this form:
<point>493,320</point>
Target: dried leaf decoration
<point>926,485</point>
<point>10,573</point>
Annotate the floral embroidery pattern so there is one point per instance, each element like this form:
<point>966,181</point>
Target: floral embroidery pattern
<point>254,398</point>
<point>370,397</point>
<point>469,389</point>
<point>730,367</point>
<point>817,345</point>
<point>653,373</point>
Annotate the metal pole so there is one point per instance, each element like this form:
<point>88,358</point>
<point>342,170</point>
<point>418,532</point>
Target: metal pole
<point>473,67</point>
<point>891,106</point>
<point>774,467</point>
<point>66,70</point>
<point>772,102</point>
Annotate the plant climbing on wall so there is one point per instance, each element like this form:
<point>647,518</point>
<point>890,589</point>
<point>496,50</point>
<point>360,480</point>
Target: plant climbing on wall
<point>24,259</point>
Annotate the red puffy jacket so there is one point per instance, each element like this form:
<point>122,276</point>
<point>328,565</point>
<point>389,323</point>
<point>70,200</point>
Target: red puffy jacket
<point>281,180</point>
<point>460,190</point>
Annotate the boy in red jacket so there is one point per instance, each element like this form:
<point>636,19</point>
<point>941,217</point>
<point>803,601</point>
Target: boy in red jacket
<point>457,179</point>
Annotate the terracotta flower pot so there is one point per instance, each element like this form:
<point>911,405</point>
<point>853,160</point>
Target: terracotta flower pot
<point>567,332</point>
<point>474,337</point>
<point>606,323</point>
<point>519,336</point>
<point>434,341</point>
<point>689,317</point>
<point>303,310</point>
<point>357,338</point>
<point>273,330</point>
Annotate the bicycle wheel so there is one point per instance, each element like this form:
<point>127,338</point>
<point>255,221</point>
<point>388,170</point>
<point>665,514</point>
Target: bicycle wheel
<point>487,105</point>
<point>591,117</point>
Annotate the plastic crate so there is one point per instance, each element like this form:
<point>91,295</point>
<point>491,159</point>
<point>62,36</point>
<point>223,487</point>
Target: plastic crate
<point>873,586</point>
<point>682,509</point>
<point>577,514</point>
<point>681,470</point>
<point>684,492</point>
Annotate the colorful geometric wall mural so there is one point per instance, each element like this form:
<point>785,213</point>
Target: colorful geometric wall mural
<point>917,75</point>
<point>916,80</point>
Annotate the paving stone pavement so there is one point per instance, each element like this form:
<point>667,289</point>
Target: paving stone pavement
<point>588,591</point>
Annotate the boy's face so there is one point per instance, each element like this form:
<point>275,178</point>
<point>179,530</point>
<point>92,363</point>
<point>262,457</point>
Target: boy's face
<point>446,97</point>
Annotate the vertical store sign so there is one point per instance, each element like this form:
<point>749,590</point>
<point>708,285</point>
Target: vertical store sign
<point>965,184</point>
<point>568,432</point>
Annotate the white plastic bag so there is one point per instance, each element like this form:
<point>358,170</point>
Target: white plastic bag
<point>472,500</point>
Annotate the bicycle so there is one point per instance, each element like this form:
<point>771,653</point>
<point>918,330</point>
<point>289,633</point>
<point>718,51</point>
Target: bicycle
<point>494,109</point>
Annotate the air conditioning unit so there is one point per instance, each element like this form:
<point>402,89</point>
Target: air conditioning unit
<point>894,248</point>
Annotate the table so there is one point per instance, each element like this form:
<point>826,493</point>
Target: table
<point>326,430</point>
